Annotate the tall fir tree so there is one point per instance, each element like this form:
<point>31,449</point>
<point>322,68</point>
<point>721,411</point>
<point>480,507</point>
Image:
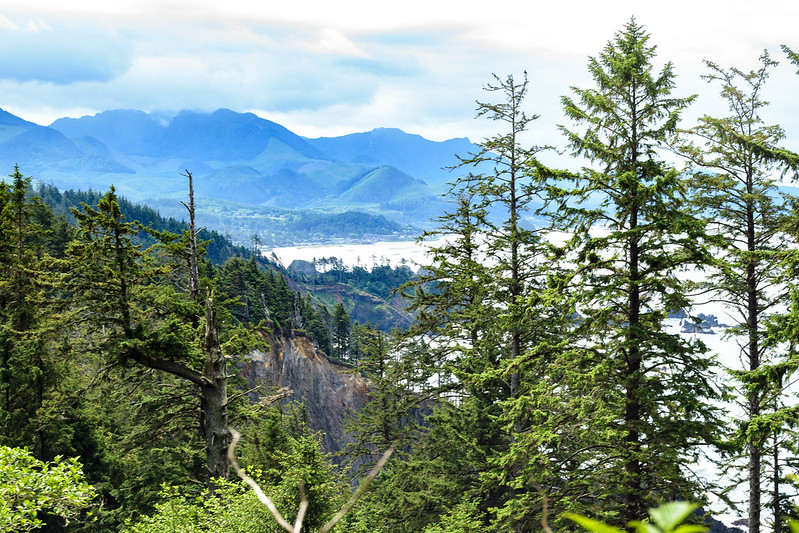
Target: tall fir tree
<point>342,329</point>
<point>629,250</point>
<point>735,159</point>
<point>29,370</point>
<point>137,321</point>
<point>480,309</point>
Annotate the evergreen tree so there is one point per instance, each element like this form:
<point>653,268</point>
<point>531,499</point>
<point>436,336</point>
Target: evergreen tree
<point>736,189</point>
<point>481,309</point>
<point>342,328</point>
<point>316,322</point>
<point>793,57</point>
<point>139,322</point>
<point>282,454</point>
<point>246,290</point>
<point>29,372</point>
<point>385,420</point>
<point>629,249</point>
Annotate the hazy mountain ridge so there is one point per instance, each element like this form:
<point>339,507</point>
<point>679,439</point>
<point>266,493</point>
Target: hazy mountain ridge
<point>236,157</point>
<point>412,154</point>
<point>237,160</point>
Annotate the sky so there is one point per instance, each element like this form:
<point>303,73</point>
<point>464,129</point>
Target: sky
<point>327,68</point>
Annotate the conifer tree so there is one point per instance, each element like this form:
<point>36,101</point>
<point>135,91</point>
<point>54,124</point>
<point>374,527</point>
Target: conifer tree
<point>28,372</point>
<point>342,328</point>
<point>449,298</point>
<point>139,322</point>
<point>479,307</point>
<point>793,57</point>
<point>629,250</point>
<point>385,420</point>
<point>735,159</point>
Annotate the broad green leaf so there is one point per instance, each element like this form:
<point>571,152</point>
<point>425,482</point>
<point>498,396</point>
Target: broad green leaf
<point>644,527</point>
<point>670,515</point>
<point>592,525</point>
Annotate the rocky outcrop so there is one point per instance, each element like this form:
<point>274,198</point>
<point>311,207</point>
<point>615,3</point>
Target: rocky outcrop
<point>330,391</point>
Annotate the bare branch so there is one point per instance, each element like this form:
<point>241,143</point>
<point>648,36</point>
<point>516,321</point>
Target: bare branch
<point>283,392</point>
<point>544,508</point>
<point>358,493</point>
<point>304,503</point>
<point>265,401</point>
<point>303,508</point>
<point>255,487</point>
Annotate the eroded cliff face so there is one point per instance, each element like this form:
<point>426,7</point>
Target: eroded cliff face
<point>329,391</point>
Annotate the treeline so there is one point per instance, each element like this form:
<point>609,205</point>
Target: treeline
<point>116,350</point>
<point>218,247</point>
<point>381,279</point>
<point>540,376</point>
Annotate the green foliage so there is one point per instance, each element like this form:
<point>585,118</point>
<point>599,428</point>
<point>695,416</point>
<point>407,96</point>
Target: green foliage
<point>280,454</point>
<point>486,319</point>
<point>653,397</point>
<point>533,375</point>
<point>379,279</point>
<point>667,518</point>
<point>26,368</point>
<point>29,488</point>
<point>465,517</point>
<point>342,327</point>
<point>233,509</point>
<point>388,418</point>
<point>219,248</point>
<point>736,161</point>
<point>256,295</point>
<point>793,57</point>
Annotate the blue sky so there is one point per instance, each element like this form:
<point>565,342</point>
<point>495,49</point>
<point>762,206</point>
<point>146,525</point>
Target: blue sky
<point>336,67</point>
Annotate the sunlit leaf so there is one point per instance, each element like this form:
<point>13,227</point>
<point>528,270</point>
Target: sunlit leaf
<point>670,515</point>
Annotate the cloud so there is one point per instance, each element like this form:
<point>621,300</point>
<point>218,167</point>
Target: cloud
<point>39,53</point>
<point>333,41</point>
<point>338,67</point>
<point>6,23</point>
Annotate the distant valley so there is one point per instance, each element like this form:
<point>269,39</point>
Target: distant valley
<point>252,176</point>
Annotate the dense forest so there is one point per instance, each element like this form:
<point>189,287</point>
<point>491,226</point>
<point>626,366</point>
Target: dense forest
<point>537,382</point>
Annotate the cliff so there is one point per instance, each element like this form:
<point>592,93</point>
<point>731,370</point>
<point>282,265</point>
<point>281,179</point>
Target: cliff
<point>328,390</point>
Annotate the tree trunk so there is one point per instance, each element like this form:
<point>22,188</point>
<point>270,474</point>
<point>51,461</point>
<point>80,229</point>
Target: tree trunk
<point>754,364</point>
<point>214,398</point>
<point>634,501</point>
<point>777,514</point>
<point>194,270</point>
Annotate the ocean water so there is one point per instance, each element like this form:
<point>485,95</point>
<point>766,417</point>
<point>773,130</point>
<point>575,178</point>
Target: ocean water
<point>394,253</point>
<point>726,349</point>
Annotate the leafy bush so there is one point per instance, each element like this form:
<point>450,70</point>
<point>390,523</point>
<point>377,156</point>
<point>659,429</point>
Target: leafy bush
<point>29,487</point>
<point>234,509</point>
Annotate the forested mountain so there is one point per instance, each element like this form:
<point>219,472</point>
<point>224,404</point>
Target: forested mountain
<point>547,373</point>
<point>411,154</point>
<point>104,335</point>
<point>218,248</point>
<point>243,165</point>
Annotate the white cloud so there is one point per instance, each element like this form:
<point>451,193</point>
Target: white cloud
<point>7,24</point>
<point>333,41</point>
<point>37,25</point>
<point>336,67</point>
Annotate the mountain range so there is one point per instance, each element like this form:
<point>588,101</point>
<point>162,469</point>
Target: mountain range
<point>240,162</point>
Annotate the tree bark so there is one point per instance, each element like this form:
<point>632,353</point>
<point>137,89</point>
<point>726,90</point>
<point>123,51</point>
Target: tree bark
<point>214,397</point>
<point>194,271</point>
<point>754,364</point>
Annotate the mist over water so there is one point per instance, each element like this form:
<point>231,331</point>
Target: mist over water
<point>393,253</point>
